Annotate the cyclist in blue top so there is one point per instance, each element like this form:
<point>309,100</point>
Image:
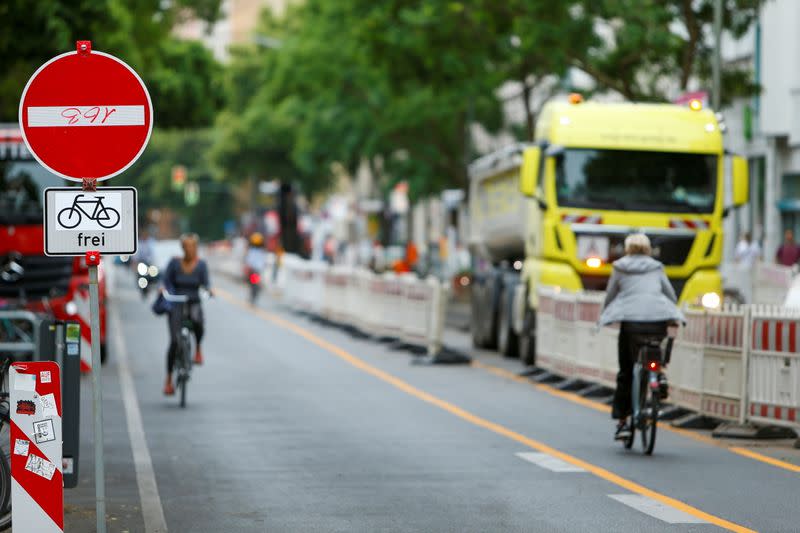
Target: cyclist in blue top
<point>185,276</point>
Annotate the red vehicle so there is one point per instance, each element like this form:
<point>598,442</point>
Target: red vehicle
<point>28,278</point>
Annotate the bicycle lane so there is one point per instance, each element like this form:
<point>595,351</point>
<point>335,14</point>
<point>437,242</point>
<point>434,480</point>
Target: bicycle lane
<point>123,505</point>
<point>705,476</point>
<point>281,436</point>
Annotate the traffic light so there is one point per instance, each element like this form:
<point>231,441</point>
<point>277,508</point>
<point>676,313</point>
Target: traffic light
<point>191,193</point>
<point>178,177</point>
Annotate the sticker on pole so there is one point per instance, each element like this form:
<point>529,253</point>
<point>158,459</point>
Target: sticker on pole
<point>78,221</point>
<point>85,114</point>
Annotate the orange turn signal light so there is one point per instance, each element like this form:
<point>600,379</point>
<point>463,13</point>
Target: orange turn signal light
<point>575,98</point>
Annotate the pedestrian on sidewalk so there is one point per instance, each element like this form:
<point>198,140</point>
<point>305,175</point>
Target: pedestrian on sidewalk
<point>748,251</point>
<point>788,253</point>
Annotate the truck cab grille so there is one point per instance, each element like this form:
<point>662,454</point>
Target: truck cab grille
<point>670,249</point>
<point>34,277</point>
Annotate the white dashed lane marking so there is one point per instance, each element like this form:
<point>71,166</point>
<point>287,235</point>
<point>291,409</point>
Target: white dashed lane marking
<point>549,462</point>
<point>656,509</point>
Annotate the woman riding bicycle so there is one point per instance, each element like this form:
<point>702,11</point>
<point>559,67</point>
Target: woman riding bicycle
<point>641,298</point>
<point>185,276</point>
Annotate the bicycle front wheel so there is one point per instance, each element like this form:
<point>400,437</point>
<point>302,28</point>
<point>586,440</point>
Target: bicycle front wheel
<point>186,366</point>
<point>182,387</point>
<point>107,217</point>
<point>649,405</point>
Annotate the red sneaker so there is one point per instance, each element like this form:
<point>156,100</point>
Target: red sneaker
<point>198,357</point>
<point>169,388</point>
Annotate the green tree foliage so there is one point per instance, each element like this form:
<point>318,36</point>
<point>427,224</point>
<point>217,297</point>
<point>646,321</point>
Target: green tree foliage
<point>152,175</point>
<point>393,84</point>
<point>180,76</point>
<point>649,47</point>
<point>397,83</point>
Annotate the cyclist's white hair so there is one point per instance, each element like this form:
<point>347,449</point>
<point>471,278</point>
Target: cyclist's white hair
<point>637,244</point>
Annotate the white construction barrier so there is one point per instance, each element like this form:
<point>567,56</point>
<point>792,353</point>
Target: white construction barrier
<point>403,307</point>
<point>739,363</point>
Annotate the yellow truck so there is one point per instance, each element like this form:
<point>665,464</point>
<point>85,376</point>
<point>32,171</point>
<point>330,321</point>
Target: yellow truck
<point>555,212</point>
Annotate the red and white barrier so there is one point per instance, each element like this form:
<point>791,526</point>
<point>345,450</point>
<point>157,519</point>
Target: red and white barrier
<point>774,370</point>
<point>37,486</point>
<point>738,363</point>
<point>81,299</point>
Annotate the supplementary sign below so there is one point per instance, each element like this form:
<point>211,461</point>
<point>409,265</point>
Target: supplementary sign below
<point>78,221</point>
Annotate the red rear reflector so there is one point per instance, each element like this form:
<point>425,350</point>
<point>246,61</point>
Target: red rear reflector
<point>255,278</point>
<point>653,365</point>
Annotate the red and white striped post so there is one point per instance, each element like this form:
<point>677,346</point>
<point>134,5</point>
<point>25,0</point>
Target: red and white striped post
<point>37,486</point>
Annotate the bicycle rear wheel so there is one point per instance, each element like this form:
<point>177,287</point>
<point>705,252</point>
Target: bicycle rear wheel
<point>649,405</point>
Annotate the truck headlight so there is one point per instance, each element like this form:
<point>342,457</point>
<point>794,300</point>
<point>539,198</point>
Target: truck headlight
<point>142,283</point>
<point>711,300</point>
<point>152,271</point>
<point>141,268</point>
<point>71,308</point>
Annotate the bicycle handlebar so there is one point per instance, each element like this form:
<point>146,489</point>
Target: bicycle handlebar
<point>176,298</point>
<point>204,294</point>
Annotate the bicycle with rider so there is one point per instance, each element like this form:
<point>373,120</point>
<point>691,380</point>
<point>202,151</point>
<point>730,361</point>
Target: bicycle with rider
<point>639,297</point>
<point>256,258</point>
<point>185,276</point>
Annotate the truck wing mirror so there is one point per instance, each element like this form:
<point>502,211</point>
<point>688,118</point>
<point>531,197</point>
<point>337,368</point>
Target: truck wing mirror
<point>529,177</point>
<point>740,180</point>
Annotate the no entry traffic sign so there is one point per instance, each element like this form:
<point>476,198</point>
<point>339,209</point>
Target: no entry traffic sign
<point>86,114</point>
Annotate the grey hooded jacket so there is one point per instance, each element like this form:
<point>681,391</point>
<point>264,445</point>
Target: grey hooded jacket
<point>639,291</point>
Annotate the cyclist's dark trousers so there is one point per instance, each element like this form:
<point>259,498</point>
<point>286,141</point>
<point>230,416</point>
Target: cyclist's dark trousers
<point>175,320</point>
<point>627,347</point>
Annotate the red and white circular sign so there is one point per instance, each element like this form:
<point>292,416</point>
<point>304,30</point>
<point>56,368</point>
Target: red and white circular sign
<point>86,114</point>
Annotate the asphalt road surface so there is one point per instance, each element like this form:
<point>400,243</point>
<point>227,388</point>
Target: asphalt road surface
<point>295,425</point>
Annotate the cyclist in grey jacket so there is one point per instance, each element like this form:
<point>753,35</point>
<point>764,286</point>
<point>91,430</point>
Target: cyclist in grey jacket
<point>639,293</point>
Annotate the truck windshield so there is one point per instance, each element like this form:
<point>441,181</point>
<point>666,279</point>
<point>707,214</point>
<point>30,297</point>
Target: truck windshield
<point>636,180</point>
<point>22,184</point>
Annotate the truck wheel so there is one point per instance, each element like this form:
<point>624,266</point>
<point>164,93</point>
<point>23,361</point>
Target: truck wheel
<point>474,327</point>
<point>476,319</point>
<point>506,337</point>
<point>527,341</point>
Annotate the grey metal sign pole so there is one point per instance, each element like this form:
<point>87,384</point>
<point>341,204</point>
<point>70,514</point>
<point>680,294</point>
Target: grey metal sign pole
<point>92,260</point>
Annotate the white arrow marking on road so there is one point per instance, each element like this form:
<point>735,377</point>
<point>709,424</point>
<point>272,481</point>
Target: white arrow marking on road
<point>86,115</point>
<point>549,462</point>
<point>656,509</point>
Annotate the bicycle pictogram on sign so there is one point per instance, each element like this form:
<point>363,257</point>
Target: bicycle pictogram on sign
<point>85,211</point>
